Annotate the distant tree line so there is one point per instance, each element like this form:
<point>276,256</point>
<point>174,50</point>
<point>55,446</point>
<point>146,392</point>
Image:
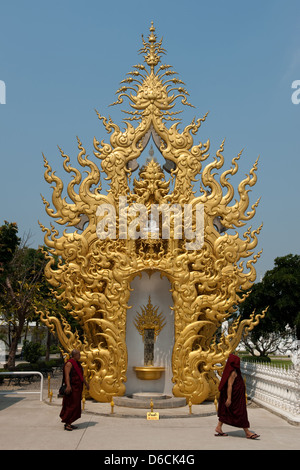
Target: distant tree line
<point>23,287</point>
<point>279,290</point>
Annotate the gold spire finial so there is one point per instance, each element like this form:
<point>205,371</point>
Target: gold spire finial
<point>152,37</point>
<point>152,49</point>
<point>152,89</point>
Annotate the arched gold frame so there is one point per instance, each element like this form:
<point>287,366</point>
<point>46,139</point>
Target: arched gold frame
<point>93,275</point>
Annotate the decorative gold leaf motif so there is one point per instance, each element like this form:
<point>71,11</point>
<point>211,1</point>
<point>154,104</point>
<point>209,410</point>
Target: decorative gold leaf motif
<point>93,275</point>
<point>149,319</point>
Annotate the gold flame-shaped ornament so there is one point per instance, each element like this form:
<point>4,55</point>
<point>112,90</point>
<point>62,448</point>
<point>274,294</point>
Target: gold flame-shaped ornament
<point>149,319</point>
<point>93,274</point>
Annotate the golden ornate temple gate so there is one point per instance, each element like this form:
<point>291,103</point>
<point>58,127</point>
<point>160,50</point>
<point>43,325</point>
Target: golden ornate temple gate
<point>111,240</point>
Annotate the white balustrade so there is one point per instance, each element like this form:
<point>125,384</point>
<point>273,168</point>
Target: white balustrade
<point>275,387</point>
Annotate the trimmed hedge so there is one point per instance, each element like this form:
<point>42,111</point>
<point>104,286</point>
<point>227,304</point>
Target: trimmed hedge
<point>250,358</point>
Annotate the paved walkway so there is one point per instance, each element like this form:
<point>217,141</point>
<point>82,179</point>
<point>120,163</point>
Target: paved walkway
<point>26,423</point>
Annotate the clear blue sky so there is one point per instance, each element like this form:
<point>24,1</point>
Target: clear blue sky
<point>62,59</point>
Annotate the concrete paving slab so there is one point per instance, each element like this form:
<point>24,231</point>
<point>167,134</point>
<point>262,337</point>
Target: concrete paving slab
<point>29,424</point>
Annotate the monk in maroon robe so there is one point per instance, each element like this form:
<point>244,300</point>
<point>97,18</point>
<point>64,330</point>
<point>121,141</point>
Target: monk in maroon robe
<point>232,408</point>
<point>74,380</point>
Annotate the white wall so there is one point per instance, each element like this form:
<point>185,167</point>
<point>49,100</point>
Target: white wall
<point>159,290</point>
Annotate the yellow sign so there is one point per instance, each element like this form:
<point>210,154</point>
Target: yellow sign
<point>152,415</point>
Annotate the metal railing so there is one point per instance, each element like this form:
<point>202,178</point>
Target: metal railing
<point>33,372</point>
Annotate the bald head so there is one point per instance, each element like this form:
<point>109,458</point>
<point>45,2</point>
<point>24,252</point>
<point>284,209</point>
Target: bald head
<point>75,354</point>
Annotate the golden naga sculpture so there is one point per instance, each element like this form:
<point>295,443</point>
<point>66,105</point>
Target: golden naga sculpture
<point>94,271</point>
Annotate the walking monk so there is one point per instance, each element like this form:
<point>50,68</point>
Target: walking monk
<point>74,380</point>
<point>232,408</point>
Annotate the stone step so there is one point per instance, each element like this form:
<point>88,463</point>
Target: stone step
<point>142,400</point>
<point>149,395</point>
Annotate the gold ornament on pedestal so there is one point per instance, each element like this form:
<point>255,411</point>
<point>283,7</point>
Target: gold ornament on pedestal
<point>149,319</point>
<point>94,273</point>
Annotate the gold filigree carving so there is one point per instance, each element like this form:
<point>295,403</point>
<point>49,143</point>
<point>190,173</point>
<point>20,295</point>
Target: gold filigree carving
<point>149,319</point>
<point>93,275</point>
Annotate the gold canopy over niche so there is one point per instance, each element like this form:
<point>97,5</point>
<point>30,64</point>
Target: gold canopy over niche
<point>94,273</point>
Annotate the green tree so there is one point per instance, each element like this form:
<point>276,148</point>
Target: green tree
<point>19,288</point>
<point>9,241</point>
<point>280,290</point>
<point>23,287</point>
<point>32,351</point>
